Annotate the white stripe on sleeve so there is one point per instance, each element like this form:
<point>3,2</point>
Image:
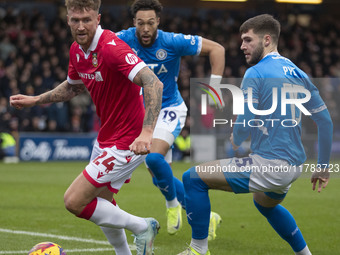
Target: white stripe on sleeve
<point>321,108</point>
<point>199,47</point>
<point>74,82</point>
<point>135,70</point>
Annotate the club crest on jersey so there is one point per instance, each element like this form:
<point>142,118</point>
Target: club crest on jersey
<point>161,54</point>
<point>94,59</point>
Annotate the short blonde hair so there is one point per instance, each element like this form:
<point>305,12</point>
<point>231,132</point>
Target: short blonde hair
<point>83,4</point>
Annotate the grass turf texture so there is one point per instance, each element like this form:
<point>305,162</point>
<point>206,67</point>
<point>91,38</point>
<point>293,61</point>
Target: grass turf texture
<point>31,196</point>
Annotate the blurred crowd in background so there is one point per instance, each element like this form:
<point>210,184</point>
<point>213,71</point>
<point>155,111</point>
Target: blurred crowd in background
<point>34,58</point>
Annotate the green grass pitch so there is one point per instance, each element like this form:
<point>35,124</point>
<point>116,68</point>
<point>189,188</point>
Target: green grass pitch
<point>31,206</point>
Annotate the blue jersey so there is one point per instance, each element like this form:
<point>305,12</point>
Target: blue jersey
<point>276,135</point>
<point>164,58</point>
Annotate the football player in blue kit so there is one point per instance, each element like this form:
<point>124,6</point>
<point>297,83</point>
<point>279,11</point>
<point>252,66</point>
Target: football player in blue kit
<point>162,52</point>
<point>277,150</point>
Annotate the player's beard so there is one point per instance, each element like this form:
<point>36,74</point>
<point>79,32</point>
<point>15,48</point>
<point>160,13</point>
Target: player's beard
<point>257,54</point>
<point>152,39</point>
<point>84,42</point>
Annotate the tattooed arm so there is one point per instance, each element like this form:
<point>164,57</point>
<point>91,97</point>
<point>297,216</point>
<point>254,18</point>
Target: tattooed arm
<point>63,92</point>
<point>153,91</point>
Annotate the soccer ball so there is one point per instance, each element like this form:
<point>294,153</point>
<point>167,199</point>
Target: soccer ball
<point>47,248</point>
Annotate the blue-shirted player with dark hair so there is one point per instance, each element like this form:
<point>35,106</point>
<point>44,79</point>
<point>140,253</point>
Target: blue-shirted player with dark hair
<point>277,150</point>
<point>162,52</point>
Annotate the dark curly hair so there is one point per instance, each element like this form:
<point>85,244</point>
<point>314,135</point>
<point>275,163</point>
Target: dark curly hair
<point>145,5</point>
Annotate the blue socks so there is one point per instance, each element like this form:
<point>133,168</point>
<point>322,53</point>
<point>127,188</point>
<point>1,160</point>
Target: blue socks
<point>163,177</point>
<point>198,213</point>
<point>284,224</point>
<point>180,192</point>
<point>197,204</point>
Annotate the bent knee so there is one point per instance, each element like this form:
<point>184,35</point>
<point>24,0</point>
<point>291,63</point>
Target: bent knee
<point>72,204</point>
<point>264,200</point>
<point>153,159</point>
<point>191,180</point>
<point>186,178</point>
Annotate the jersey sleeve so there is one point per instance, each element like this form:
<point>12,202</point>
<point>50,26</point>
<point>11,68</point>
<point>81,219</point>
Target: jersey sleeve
<point>325,135</point>
<point>250,80</point>
<point>322,118</point>
<point>315,104</point>
<point>119,56</point>
<point>187,45</point>
<point>73,76</point>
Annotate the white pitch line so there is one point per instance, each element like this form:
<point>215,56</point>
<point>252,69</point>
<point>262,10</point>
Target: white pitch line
<point>68,251</point>
<point>68,238</point>
<point>13,252</point>
<point>90,249</point>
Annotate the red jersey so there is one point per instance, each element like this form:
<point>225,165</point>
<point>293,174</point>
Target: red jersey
<point>107,70</point>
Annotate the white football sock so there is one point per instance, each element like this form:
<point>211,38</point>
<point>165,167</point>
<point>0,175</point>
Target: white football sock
<point>117,238</point>
<point>201,246</point>
<point>108,215</point>
<point>173,203</point>
<point>304,251</point>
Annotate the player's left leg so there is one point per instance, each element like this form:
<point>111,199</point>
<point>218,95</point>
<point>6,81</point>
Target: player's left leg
<point>281,220</point>
<point>82,199</point>
<point>115,236</point>
<point>169,124</point>
<point>197,185</point>
<point>163,178</point>
<point>178,187</point>
<point>104,214</point>
<point>110,170</point>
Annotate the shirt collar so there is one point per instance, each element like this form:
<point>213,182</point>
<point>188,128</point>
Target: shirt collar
<point>95,40</point>
<point>272,54</point>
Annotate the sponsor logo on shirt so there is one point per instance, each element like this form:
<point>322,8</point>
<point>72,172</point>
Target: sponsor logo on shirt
<point>90,76</point>
<point>156,70</point>
<point>131,59</point>
<point>98,76</point>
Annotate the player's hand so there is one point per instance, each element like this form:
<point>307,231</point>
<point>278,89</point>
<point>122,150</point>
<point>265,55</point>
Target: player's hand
<point>235,147</point>
<point>19,101</point>
<point>142,144</point>
<point>321,176</point>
